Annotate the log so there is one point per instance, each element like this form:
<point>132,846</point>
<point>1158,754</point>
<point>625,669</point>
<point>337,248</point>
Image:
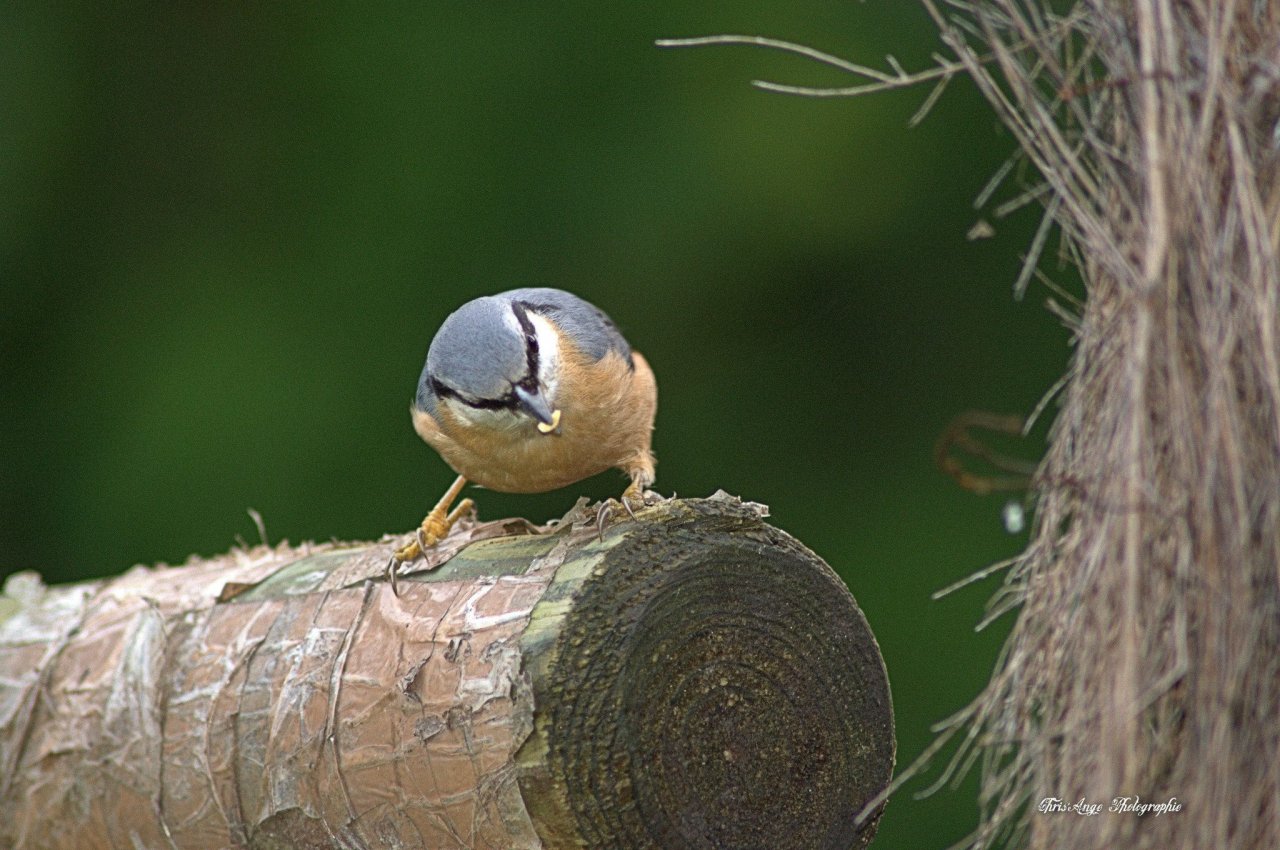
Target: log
<point>692,679</point>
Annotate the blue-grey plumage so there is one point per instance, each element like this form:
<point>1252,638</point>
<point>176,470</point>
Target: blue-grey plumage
<point>534,389</point>
<point>585,324</point>
<point>482,349</point>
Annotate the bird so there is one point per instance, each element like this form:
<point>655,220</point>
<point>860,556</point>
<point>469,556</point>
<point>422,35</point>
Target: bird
<point>527,391</point>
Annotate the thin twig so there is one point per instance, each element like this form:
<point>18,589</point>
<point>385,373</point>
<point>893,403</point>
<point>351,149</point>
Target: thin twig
<point>880,81</point>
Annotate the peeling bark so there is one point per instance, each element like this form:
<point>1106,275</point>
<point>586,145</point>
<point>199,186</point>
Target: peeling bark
<point>693,679</point>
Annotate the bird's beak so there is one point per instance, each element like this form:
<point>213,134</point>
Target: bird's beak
<point>535,404</point>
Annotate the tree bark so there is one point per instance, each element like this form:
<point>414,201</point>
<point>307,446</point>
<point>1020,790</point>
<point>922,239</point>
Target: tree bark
<point>692,679</point>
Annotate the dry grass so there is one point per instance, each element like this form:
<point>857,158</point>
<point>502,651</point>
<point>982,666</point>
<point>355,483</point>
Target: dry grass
<point>1146,655</point>
<point>1145,659</point>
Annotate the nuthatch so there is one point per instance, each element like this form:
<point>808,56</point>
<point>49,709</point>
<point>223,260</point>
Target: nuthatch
<point>528,391</point>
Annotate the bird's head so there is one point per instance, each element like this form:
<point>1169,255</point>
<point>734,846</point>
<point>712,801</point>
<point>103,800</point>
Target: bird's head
<point>495,362</point>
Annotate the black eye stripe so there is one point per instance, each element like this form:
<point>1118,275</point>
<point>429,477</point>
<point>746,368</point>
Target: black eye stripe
<point>443,390</point>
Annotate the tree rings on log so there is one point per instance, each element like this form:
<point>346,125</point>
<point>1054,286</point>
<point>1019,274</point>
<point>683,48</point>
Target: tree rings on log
<point>703,681</point>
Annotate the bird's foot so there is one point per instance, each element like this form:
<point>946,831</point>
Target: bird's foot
<point>634,498</point>
<point>434,528</point>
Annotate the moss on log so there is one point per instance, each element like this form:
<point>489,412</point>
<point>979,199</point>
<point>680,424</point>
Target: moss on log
<point>692,679</point>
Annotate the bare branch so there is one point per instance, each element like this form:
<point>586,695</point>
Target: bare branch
<point>879,80</point>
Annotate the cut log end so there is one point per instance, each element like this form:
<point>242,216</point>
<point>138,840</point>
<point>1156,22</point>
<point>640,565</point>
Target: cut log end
<point>712,685</point>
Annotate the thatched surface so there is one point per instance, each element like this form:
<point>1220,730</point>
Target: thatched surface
<point>1146,656</point>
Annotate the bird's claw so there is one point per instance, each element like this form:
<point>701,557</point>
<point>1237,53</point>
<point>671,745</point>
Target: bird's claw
<point>434,528</point>
<point>425,537</point>
<point>634,493</point>
<point>411,551</point>
<point>393,566</point>
<point>602,517</point>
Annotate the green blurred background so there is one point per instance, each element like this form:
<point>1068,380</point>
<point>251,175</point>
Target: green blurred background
<point>228,232</point>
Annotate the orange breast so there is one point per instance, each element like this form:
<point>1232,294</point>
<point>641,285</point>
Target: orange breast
<point>606,420</point>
